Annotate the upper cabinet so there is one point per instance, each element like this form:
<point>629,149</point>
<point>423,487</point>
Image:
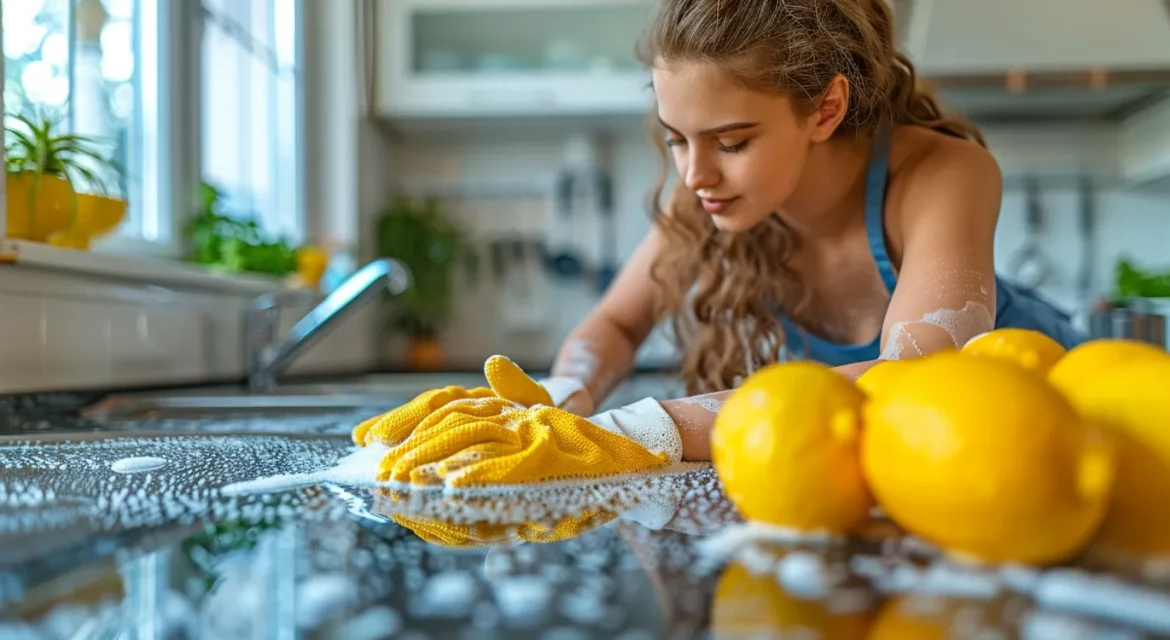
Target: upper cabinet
<point>476,58</point>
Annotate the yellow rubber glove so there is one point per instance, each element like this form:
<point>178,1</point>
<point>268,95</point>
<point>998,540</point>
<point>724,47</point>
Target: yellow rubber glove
<point>394,426</point>
<point>483,534</point>
<point>500,530</point>
<point>490,442</point>
<point>509,381</point>
<point>505,381</point>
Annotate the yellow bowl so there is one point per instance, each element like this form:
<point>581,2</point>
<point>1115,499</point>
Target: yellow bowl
<point>98,215</point>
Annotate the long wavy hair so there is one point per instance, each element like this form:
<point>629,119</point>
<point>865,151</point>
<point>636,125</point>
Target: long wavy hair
<point>721,291</point>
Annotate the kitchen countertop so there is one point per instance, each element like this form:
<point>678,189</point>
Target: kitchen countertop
<point>125,527</point>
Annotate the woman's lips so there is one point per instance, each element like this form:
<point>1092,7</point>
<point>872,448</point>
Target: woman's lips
<point>717,206</point>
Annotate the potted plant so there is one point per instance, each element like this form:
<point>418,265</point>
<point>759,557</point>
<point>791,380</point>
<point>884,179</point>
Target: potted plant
<point>415,233</point>
<point>58,184</point>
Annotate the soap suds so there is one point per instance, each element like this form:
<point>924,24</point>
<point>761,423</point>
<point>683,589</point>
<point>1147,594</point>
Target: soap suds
<point>523,600</point>
<point>579,361</point>
<point>804,574</point>
<point>647,423</point>
<point>960,326</point>
<point>744,542</point>
<point>709,401</point>
<point>358,469</point>
<point>446,595</point>
<point>138,465</point>
<point>1079,592</point>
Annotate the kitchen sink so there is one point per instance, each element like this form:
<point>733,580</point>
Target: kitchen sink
<point>377,393</point>
<point>371,394</point>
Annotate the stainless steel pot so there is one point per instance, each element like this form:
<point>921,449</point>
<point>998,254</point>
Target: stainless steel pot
<point>1139,319</point>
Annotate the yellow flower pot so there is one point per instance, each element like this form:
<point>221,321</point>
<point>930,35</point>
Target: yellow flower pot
<point>38,206</point>
<point>97,216</point>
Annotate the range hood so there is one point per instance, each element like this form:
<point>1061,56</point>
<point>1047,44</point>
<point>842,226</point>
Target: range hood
<point>1027,60</point>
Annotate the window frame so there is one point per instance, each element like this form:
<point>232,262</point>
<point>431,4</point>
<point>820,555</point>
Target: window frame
<point>174,189</point>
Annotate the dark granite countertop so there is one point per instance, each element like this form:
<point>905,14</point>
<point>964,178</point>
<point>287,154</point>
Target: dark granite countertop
<point>93,544</point>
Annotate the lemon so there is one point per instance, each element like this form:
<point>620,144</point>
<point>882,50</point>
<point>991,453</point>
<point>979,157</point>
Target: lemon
<point>929,616</point>
<point>880,375</point>
<point>1030,349</point>
<point>311,263</point>
<point>750,606</point>
<point>1091,359</point>
<point>785,448</point>
<point>1131,402</point>
<point>986,460</point>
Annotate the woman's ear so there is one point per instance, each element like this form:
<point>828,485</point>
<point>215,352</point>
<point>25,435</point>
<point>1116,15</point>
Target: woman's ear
<point>830,111</point>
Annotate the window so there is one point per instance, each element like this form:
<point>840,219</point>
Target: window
<point>80,62</point>
<point>251,110</point>
<point>128,72</point>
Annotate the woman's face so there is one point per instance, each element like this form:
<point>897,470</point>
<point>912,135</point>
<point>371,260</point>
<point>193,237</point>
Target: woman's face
<point>741,151</point>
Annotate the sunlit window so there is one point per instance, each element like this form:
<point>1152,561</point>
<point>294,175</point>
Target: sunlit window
<point>250,110</point>
<point>80,62</point>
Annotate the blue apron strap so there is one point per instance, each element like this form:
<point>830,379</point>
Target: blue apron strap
<point>875,204</point>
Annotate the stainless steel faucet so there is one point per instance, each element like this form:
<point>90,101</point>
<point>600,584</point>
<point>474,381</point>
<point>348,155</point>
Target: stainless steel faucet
<point>264,359</point>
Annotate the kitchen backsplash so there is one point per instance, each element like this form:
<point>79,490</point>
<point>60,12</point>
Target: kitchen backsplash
<point>493,182</point>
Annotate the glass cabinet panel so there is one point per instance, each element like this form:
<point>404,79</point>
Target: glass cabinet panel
<point>574,39</point>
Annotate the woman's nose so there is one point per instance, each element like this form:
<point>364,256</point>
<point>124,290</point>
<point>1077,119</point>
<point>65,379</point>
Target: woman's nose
<point>701,172</point>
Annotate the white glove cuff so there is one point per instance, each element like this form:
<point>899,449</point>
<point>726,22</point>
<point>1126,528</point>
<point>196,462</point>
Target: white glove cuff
<point>560,388</point>
<point>646,423</point>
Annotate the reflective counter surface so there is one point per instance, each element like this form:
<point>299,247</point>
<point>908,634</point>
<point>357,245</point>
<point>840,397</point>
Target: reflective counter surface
<point>124,532</point>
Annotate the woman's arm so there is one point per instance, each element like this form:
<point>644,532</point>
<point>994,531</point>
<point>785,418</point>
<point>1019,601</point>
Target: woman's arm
<point>946,285</point>
<point>600,351</point>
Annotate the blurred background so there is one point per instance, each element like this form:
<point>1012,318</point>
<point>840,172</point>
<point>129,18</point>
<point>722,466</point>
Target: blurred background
<point>219,150</point>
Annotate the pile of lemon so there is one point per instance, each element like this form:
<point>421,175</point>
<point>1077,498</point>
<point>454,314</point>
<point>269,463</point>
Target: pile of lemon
<point>1009,449</point>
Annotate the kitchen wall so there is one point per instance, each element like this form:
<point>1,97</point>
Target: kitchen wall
<point>1128,221</point>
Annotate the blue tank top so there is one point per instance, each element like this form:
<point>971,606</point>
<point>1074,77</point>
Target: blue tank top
<point>1016,306</point>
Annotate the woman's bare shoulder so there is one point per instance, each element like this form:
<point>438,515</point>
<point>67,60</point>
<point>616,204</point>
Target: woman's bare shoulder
<point>924,164</point>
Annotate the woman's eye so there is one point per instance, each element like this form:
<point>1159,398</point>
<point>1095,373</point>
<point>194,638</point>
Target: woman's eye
<point>733,148</point>
<point>674,142</point>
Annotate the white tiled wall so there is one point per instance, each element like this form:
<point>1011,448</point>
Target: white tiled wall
<point>68,331</point>
<point>1129,222</point>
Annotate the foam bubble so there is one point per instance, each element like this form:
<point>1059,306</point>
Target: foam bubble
<point>804,574</point>
<point>447,595</point>
<point>138,465</point>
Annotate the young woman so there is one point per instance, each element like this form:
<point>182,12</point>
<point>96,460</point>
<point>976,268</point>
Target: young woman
<point>825,208</point>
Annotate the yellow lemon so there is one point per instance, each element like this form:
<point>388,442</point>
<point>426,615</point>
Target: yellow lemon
<point>881,375</point>
<point>986,460</point>
<point>311,264</point>
<point>750,606</point>
<point>929,616</point>
<point>785,448</point>
<point>1089,360</point>
<point>1132,403</point>
<point>1030,349</point>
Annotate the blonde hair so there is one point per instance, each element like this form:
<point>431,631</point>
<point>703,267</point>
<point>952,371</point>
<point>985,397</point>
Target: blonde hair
<point>721,291</point>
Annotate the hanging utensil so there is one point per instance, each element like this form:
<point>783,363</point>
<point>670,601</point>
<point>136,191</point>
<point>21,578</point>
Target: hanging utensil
<point>607,270</point>
<point>562,261</point>
<point>1029,266</point>
<point>1087,223</point>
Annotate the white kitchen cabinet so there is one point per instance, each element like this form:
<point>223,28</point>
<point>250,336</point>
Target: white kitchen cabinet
<point>484,58</point>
